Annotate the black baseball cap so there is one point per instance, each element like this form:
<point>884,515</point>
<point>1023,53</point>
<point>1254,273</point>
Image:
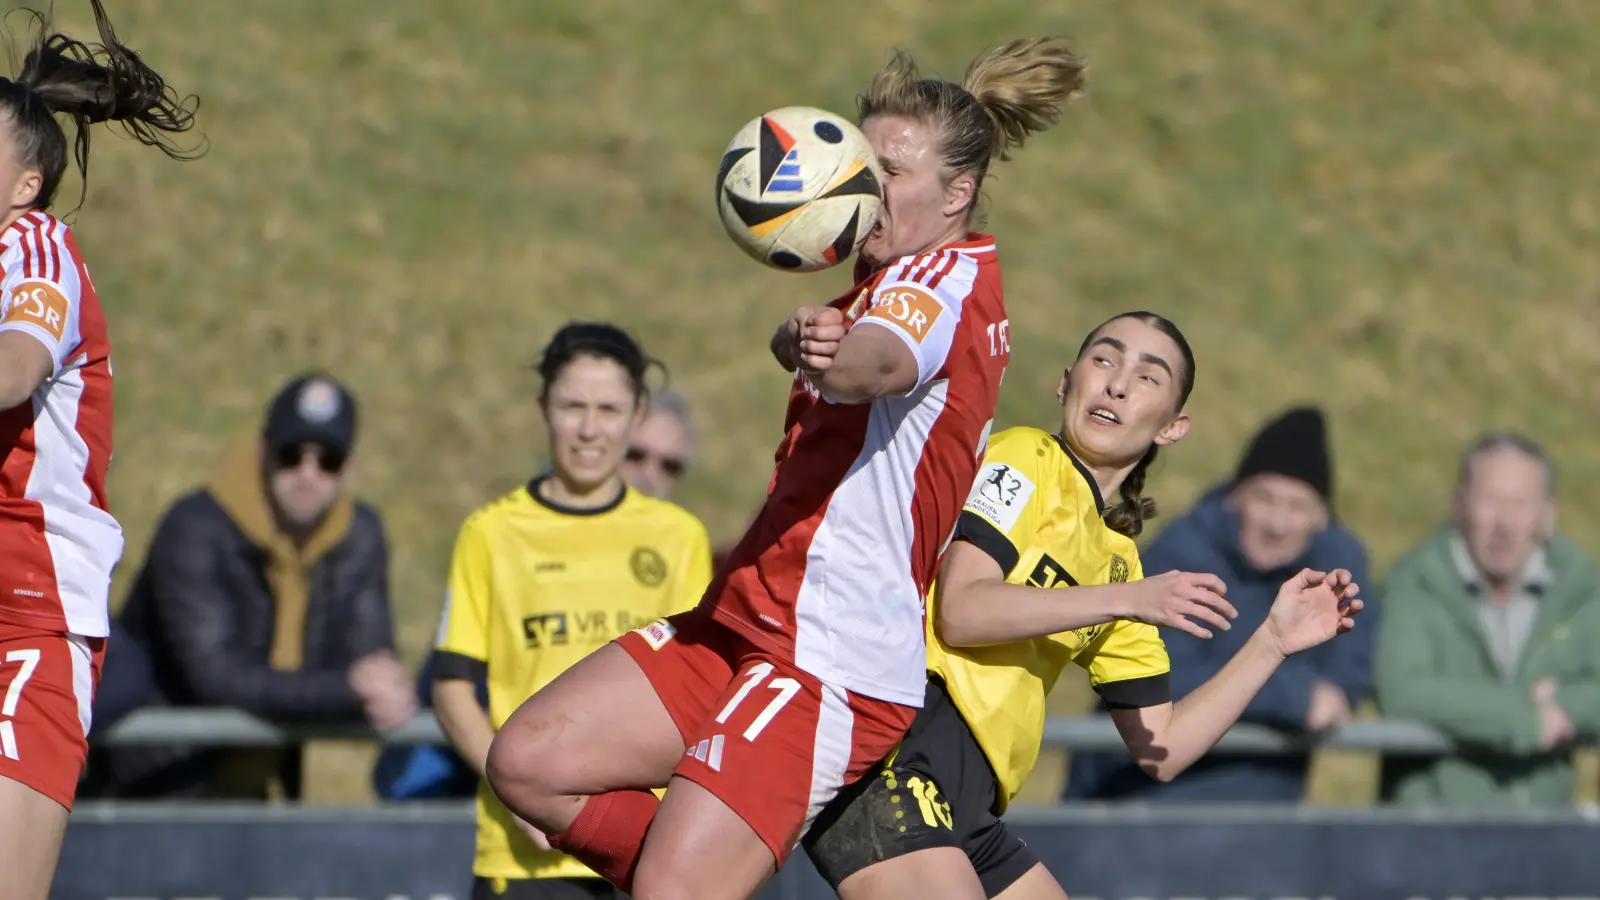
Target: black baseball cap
<point>312,409</point>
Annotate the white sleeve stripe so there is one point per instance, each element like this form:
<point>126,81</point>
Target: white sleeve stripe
<point>45,247</point>
<point>934,269</point>
<point>928,267</point>
<point>944,269</point>
<point>919,266</point>
<point>55,250</point>
<point>40,260</point>
<point>29,255</point>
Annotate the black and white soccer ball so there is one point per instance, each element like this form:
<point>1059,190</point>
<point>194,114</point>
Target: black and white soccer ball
<point>799,189</point>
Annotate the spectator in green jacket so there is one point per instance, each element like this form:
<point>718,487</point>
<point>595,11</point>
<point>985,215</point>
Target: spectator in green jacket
<point>1490,633</point>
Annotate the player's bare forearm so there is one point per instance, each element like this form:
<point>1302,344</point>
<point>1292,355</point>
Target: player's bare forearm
<point>1167,739</point>
<point>24,364</point>
<point>996,612</point>
<point>463,721</point>
<point>871,363</point>
<point>976,607</point>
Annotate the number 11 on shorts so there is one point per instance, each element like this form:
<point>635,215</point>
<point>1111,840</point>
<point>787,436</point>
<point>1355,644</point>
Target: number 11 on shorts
<point>786,688</point>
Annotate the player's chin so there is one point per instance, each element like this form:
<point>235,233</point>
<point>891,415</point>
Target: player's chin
<point>589,470</point>
<point>1110,444</point>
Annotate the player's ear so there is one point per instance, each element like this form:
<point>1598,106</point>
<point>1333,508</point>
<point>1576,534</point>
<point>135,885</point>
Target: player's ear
<point>1174,431</point>
<point>26,188</point>
<point>1061,388</point>
<point>960,194</point>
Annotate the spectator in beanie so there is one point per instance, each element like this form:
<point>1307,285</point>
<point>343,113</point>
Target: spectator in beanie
<point>267,590</point>
<point>1271,520</point>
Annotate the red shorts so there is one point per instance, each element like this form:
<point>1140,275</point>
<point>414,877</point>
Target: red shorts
<point>47,683</point>
<point>772,742</point>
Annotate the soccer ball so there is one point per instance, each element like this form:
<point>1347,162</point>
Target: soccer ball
<point>799,189</point>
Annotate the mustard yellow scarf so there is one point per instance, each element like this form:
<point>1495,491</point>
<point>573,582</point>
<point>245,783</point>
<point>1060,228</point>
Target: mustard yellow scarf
<point>240,488</point>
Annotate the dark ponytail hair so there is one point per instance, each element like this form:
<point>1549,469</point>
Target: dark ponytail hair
<point>88,83</point>
<point>600,340</point>
<point>1128,515</point>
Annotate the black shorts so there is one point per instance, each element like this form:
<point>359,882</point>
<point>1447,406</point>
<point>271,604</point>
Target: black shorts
<point>937,790</point>
<point>543,889</point>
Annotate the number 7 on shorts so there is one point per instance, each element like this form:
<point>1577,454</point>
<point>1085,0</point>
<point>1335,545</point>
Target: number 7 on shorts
<point>8,707</point>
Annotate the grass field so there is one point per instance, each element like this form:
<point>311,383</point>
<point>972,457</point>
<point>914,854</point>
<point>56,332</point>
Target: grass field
<point>1389,208</point>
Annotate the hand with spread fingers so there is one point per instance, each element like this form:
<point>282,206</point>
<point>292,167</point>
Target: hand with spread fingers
<point>1313,608</point>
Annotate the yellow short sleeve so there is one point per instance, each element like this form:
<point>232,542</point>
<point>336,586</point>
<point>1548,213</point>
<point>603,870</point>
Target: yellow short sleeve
<point>464,625</point>
<point>1128,666</point>
<point>1003,509</point>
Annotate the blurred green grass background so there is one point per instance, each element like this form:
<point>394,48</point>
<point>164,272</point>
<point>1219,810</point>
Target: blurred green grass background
<point>1389,207</point>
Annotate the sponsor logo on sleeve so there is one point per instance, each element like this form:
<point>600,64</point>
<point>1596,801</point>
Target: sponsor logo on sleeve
<point>657,633</point>
<point>38,303</point>
<point>908,307</point>
<point>1000,494</point>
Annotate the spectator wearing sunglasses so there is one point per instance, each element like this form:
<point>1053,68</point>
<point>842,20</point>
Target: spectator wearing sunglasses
<point>267,590</point>
<point>661,446</point>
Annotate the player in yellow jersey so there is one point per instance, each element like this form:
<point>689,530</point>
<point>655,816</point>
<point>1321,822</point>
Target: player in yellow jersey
<point>550,572</point>
<point>1042,571</point>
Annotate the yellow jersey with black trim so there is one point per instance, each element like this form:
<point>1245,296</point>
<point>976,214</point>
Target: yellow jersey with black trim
<point>534,587</point>
<point>1038,513</point>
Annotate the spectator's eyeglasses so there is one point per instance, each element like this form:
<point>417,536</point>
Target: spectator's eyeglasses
<point>329,459</point>
<point>672,465</point>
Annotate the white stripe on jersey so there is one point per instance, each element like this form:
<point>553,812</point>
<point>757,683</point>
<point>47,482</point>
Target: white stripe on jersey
<point>858,599</point>
<point>85,541</point>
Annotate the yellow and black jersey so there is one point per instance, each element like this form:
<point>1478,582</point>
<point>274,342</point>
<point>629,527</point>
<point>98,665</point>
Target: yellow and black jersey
<point>1036,511</point>
<point>534,587</point>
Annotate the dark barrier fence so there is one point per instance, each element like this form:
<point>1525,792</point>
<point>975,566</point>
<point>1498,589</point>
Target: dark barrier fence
<point>236,728</point>
<point>421,852</point>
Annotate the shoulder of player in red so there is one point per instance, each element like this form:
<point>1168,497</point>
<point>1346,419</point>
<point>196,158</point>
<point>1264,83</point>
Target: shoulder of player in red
<point>926,270</point>
<point>45,280</point>
<point>42,241</point>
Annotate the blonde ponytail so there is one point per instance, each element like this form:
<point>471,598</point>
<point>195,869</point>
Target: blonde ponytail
<point>1007,94</point>
<point>1022,87</point>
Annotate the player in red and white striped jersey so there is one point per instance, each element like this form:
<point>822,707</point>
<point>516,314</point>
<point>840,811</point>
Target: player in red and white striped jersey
<point>58,540</point>
<point>804,663</point>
